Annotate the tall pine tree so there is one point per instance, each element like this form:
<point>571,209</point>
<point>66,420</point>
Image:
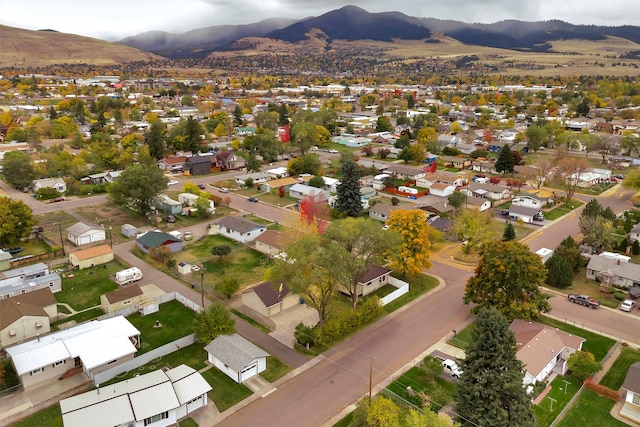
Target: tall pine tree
<point>509,232</point>
<point>505,162</point>
<point>348,200</point>
<point>490,391</point>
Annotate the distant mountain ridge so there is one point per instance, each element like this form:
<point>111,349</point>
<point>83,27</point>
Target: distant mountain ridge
<point>352,23</point>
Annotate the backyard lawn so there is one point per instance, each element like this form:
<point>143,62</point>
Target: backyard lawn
<point>562,210</point>
<point>193,356</point>
<point>441,391</point>
<point>559,396</point>
<point>50,417</point>
<point>616,374</point>
<point>81,317</point>
<point>226,392</point>
<point>591,410</point>
<point>246,265</point>
<point>175,319</point>
<point>82,288</point>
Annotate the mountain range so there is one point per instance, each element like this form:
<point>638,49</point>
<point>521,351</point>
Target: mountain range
<point>352,23</point>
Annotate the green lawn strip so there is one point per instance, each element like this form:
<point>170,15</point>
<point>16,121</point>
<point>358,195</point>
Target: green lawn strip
<point>462,338</point>
<point>226,392</point>
<point>616,374</point>
<point>50,417</point>
<point>561,393</point>
<point>193,355</point>
<point>275,369</point>
<point>418,380</point>
<point>84,289</point>
<point>63,309</point>
<point>246,264</point>
<point>562,210</point>
<point>251,321</point>
<point>34,247</point>
<point>188,422</point>
<point>79,318</point>
<point>418,285</point>
<point>591,410</point>
<point>175,319</point>
<point>596,344</point>
<point>202,248</point>
<point>346,421</point>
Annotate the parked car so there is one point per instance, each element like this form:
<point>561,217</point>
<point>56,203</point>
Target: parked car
<point>170,219</point>
<point>172,182</point>
<point>188,235</point>
<point>627,305</point>
<point>253,199</point>
<point>538,217</point>
<point>618,176</point>
<point>202,186</point>
<point>505,212</point>
<point>56,200</point>
<point>224,190</point>
<point>333,151</point>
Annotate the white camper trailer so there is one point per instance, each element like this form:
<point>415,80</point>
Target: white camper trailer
<point>130,275</point>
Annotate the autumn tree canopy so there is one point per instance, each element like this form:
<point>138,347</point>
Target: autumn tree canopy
<point>413,255</point>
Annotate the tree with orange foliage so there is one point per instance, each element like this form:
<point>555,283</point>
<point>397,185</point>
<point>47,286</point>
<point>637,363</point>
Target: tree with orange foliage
<point>413,255</point>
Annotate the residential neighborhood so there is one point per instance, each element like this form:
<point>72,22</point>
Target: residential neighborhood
<point>173,254</point>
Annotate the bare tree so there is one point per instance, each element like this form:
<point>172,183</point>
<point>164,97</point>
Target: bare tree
<point>539,172</point>
<point>572,170</point>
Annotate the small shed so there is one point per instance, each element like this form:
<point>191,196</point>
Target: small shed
<point>128,230</point>
<point>154,239</point>
<point>184,267</point>
<point>544,254</point>
<point>122,298</point>
<point>91,257</point>
<point>236,356</point>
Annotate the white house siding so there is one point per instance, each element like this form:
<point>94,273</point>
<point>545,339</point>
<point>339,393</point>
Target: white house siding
<point>224,368</point>
<point>48,373</point>
<point>527,202</point>
<point>88,237</point>
<point>239,377</point>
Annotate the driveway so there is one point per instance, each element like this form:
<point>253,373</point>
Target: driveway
<point>287,321</point>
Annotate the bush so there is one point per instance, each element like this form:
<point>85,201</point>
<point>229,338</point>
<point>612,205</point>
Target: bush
<point>619,296</point>
<point>635,248</point>
<point>344,321</point>
<point>601,390</point>
<point>395,201</point>
<point>47,193</point>
<point>304,334</point>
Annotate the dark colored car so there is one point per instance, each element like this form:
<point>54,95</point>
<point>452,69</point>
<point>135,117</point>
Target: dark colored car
<point>201,186</point>
<point>253,199</point>
<point>618,176</point>
<point>170,219</point>
<point>505,212</point>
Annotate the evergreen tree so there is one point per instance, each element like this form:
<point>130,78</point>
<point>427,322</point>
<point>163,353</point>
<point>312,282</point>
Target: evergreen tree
<point>155,139</point>
<point>635,248</point>
<point>509,232</point>
<point>490,391</point>
<point>559,272</point>
<point>505,162</point>
<point>570,250</point>
<point>349,189</point>
<point>593,208</point>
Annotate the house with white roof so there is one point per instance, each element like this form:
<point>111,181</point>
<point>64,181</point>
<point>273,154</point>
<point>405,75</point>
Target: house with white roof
<point>299,191</point>
<point>81,234</point>
<point>90,347</point>
<point>237,357</point>
<point>159,398</point>
<point>55,183</point>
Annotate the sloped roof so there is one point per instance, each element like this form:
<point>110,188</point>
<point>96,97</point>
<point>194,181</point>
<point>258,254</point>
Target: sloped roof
<point>123,293</point>
<point>539,344</point>
<point>234,351</point>
<point>92,252</point>
<point>271,238</point>
<point>239,225</point>
<point>80,228</point>
<point>12,310</point>
<point>372,272</point>
<point>153,239</point>
<point>632,380</point>
<point>626,270</point>
<point>267,294</point>
<point>523,210</point>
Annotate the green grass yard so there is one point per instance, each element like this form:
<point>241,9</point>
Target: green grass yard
<point>175,319</point>
<point>226,392</point>
<point>275,369</point>
<point>591,410</point>
<point>82,289</point>
<point>561,393</point>
<point>50,417</point>
<point>440,390</point>
<point>616,374</point>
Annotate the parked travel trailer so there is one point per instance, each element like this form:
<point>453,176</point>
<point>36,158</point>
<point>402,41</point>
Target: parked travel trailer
<point>130,275</point>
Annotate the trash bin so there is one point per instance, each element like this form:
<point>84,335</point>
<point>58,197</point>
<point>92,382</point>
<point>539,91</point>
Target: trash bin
<point>301,300</point>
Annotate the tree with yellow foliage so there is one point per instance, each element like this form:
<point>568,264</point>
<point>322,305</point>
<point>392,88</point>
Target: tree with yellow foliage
<point>413,255</point>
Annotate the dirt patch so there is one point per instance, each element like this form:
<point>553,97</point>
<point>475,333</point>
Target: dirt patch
<point>108,215</point>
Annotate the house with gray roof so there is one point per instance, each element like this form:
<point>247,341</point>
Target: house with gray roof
<point>82,234</point>
<point>612,272</point>
<point>631,406</point>
<point>155,239</point>
<point>382,211</point>
<point>236,356</point>
<point>239,229</point>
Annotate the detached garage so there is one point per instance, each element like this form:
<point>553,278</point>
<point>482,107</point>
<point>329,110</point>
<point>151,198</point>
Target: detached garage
<point>90,257</point>
<point>237,357</point>
<point>81,234</point>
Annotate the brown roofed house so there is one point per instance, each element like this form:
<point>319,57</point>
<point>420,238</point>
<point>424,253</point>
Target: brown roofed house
<point>268,300</point>
<point>26,316</point>
<point>127,296</point>
<point>269,243</point>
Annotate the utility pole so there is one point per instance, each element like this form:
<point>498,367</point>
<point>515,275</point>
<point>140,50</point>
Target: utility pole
<point>370,376</point>
<point>61,239</point>
<point>111,236</point>
<point>202,285</point>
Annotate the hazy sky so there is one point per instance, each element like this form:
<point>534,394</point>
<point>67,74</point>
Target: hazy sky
<point>116,19</point>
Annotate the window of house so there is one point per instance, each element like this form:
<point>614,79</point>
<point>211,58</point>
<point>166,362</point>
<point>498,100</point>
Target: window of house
<point>112,362</point>
<point>368,283</point>
<point>38,325</point>
<point>127,302</point>
<point>156,418</point>
<point>12,333</point>
<point>36,371</point>
<point>60,362</point>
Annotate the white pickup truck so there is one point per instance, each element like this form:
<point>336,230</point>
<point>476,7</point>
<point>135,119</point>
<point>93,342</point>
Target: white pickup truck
<point>450,366</point>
